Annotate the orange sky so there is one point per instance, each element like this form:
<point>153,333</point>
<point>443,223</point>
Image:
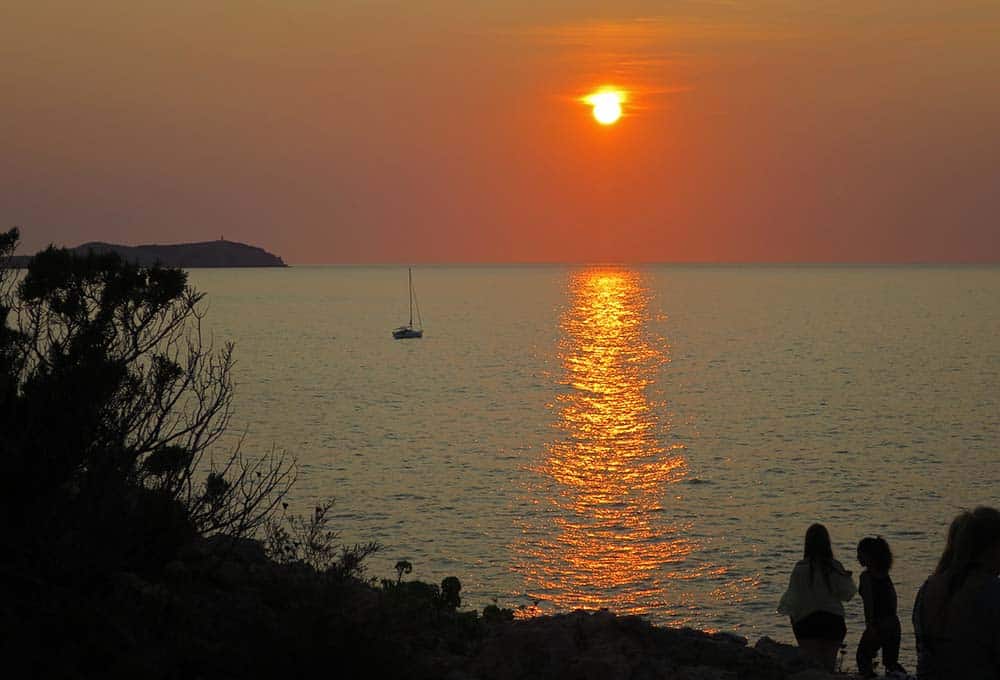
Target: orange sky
<point>452,131</point>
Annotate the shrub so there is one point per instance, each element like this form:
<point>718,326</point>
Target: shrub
<point>310,540</point>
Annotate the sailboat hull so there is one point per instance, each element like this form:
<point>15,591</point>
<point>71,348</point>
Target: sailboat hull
<point>408,331</point>
<point>405,333</point>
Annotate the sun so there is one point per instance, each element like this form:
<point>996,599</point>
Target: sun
<point>607,105</point>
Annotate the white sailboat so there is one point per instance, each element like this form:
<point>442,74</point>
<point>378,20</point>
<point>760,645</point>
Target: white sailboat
<point>409,330</point>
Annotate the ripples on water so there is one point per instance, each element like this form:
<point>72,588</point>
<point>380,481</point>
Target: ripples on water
<point>653,440</point>
<point>607,469</point>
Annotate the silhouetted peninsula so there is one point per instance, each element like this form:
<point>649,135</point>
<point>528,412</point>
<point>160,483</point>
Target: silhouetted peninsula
<point>219,253</point>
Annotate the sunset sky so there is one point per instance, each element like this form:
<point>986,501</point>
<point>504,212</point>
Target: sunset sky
<point>455,131</point>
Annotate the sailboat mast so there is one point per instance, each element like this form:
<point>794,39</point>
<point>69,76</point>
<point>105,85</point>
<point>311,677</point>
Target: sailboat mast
<point>410,270</point>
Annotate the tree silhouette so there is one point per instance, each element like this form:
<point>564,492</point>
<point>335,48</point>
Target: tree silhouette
<point>111,399</point>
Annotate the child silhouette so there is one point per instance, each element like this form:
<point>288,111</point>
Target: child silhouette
<point>879,596</point>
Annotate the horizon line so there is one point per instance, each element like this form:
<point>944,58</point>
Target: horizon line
<point>683,263</point>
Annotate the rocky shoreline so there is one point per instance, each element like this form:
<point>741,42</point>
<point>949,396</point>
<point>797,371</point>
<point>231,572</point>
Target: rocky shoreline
<point>224,609</point>
<point>600,644</point>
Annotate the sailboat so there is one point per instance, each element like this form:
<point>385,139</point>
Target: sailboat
<point>409,331</point>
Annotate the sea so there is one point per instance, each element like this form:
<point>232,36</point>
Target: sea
<point>653,440</point>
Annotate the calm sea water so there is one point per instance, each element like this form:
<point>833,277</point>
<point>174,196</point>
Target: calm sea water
<point>652,440</point>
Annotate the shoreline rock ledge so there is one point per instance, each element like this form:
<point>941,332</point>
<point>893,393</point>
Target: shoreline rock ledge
<point>221,608</point>
<point>601,645</point>
<point>385,631</point>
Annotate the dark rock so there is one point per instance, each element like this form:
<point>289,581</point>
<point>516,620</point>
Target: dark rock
<point>723,636</point>
<point>790,657</point>
<point>602,645</point>
<point>706,673</point>
<point>814,674</point>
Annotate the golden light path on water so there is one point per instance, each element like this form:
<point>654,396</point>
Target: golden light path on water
<point>608,469</point>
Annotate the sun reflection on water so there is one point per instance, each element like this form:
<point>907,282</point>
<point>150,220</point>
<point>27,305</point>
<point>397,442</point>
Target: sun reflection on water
<point>607,470</point>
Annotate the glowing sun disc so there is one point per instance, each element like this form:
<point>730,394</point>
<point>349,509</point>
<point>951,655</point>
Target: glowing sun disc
<point>607,106</point>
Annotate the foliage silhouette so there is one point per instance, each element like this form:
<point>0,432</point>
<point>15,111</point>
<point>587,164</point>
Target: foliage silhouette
<point>127,552</point>
<point>310,540</point>
<point>111,399</point>
<point>403,567</point>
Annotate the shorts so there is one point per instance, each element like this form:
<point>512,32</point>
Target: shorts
<point>820,626</point>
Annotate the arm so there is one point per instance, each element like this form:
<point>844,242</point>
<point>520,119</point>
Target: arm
<point>789,600</point>
<point>867,596</point>
<point>843,584</point>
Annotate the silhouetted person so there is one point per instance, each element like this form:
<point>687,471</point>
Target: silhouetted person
<point>879,596</point>
<point>817,589</point>
<point>957,613</point>
<point>924,661</point>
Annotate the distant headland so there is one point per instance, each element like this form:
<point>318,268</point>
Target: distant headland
<point>219,253</point>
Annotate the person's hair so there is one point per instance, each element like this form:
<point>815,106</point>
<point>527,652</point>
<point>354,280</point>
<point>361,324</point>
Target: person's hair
<point>865,550</point>
<point>876,549</point>
<point>973,539</point>
<point>949,547</point>
<point>819,553</point>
